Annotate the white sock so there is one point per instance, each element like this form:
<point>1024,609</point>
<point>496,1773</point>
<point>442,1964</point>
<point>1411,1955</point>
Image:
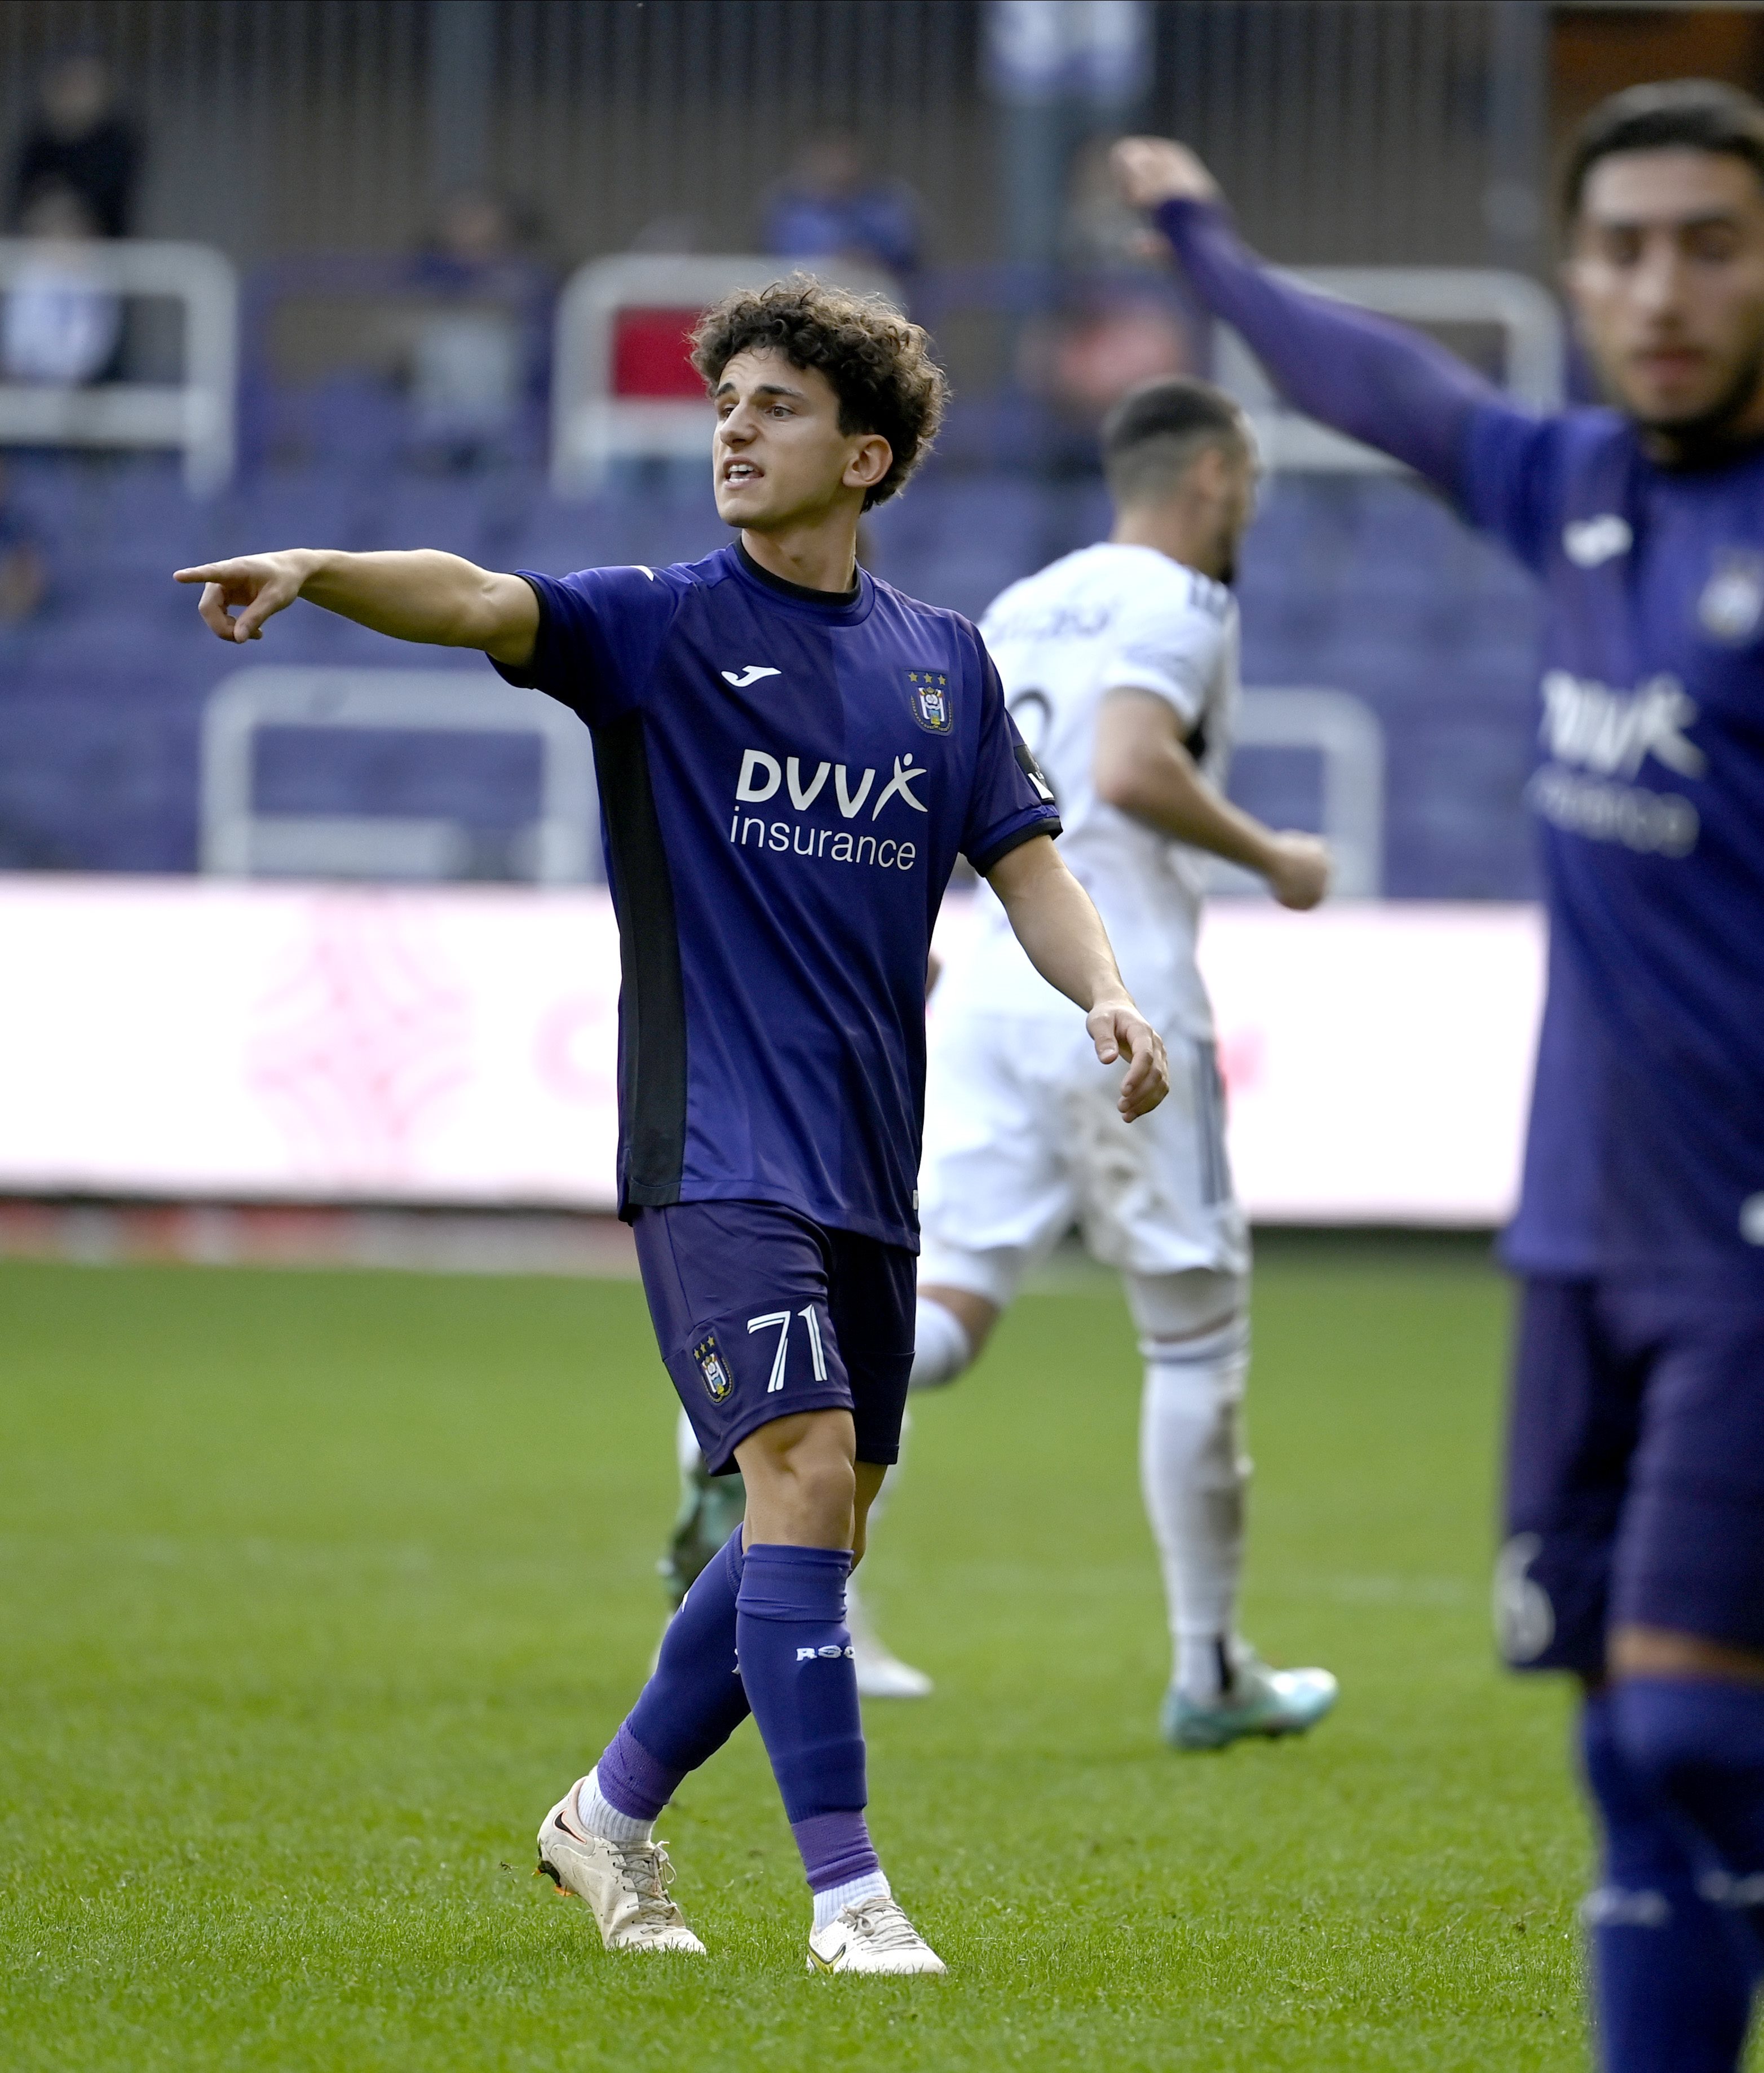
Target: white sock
<point>685,1447</point>
<point>941,1348</point>
<point>600,1817</point>
<point>1194,1475</point>
<point>828,1905</point>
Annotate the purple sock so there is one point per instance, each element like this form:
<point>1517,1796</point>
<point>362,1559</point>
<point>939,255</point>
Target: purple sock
<point>796,1662</point>
<point>692,1705</point>
<point>1672,1974</point>
<point>1699,1742</point>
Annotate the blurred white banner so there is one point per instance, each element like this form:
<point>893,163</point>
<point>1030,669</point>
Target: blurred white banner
<point>182,1037</point>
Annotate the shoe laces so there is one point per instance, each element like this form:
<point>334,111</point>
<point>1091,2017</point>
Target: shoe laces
<point>649,1873</point>
<point>882,1923</point>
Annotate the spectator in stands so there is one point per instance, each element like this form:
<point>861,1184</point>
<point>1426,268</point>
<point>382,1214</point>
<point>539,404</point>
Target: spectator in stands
<point>80,140</point>
<point>24,575</point>
<point>1099,231</point>
<point>475,362</point>
<point>60,323</point>
<point>1119,323</point>
<point>828,206</point>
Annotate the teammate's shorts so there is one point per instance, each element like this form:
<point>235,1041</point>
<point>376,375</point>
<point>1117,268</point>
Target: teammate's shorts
<point>1022,1139</point>
<point>1635,1470</point>
<point>760,1312</point>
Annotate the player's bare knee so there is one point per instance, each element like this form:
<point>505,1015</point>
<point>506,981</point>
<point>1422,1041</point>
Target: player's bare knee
<point>802,1479</point>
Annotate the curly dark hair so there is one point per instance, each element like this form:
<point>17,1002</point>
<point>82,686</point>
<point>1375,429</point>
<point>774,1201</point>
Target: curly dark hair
<point>879,365</point>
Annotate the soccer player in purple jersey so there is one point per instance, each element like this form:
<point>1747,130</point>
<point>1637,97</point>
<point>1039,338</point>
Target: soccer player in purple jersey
<point>1635,1470</point>
<point>790,756</point>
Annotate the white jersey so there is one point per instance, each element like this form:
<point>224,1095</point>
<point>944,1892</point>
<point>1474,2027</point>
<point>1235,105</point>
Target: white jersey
<point>1108,618</point>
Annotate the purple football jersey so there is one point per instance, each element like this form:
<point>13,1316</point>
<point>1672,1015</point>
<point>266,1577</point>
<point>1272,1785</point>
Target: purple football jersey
<point>786,779</point>
<point>1645,1148</point>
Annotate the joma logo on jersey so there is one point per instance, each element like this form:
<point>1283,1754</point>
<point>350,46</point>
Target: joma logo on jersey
<point>713,1367</point>
<point>929,692</point>
<point>1612,732</point>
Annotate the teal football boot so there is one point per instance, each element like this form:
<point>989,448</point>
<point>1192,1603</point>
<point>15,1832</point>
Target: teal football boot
<point>1260,1701</point>
<point>711,1509</point>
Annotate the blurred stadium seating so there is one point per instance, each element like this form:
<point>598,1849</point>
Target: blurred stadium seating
<point>375,269</point>
<point>1362,583</point>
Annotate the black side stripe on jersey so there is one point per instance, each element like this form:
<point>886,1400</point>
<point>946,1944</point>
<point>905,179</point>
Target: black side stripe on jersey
<point>1209,1120</point>
<point>652,1000</point>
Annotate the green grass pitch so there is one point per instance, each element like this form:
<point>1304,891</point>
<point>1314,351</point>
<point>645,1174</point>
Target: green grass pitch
<point>316,1589</point>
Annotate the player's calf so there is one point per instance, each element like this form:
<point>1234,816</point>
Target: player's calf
<point>1699,1743</point>
<point>950,1327</point>
<point>1672,1973</point>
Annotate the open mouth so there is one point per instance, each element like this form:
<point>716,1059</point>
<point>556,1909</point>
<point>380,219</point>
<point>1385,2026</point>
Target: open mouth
<point>1669,364</point>
<point>735,473</point>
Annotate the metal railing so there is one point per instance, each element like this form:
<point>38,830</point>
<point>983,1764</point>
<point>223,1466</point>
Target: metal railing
<point>196,415</point>
<point>1346,733</point>
<point>240,841</point>
<point>592,425</point>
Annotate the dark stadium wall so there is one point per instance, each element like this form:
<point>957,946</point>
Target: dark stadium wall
<point>1596,51</point>
<point>1346,130</point>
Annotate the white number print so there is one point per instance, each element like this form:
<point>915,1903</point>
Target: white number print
<point>780,1359</point>
<point>817,1358</point>
<point>781,1319</point>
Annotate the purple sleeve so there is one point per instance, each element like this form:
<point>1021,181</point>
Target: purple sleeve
<point>1010,801</point>
<point>1380,382</point>
<point>599,630</point>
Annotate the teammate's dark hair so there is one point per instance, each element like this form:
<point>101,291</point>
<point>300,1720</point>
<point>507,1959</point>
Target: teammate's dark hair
<point>1669,114</point>
<point>880,365</point>
<point>1153,435</point>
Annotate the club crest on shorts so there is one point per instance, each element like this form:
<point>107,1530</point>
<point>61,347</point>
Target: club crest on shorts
<point>929,692</point>
<point>713,1367</point>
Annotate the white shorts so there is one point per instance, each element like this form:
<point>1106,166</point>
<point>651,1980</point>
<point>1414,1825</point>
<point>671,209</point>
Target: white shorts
<point>1023,1140</point>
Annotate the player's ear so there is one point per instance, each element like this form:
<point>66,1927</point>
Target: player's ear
<point>871,461</point>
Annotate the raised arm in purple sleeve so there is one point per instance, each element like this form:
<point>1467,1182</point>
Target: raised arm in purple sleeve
<point>1378,381</point>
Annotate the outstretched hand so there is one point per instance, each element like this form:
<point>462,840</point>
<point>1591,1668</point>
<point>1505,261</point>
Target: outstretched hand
<point>1150,170</point>
<point>258,584</point>
<point>1123,1033</point>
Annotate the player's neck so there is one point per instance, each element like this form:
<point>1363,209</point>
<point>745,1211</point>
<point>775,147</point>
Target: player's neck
<point>820,556</point>
<point>1184,536</point>
<point>1708,445</point>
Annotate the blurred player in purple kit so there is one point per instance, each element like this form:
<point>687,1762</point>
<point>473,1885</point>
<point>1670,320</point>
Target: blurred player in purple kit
<point>1635,1470</point>
<point>791,755</point>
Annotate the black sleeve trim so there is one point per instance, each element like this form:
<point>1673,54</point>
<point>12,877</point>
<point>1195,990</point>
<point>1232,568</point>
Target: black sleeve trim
<point>527,679</point>
<point>1015,840</point>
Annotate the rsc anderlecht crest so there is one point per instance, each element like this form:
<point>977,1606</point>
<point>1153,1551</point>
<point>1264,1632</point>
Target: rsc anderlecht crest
<point>929,692</point>
<point>712,1367</point>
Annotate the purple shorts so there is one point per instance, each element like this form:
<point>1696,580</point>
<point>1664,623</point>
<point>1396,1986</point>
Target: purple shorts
<point>1635,1469</point>
<point>760,1312</point>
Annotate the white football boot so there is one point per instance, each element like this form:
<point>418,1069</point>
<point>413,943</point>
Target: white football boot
<point>881,1674</point>
<point>873,1936</point>
<point>625,1884</point>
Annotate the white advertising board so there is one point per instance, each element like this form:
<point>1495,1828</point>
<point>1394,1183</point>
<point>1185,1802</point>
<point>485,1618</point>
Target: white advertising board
<point>191,1038</point>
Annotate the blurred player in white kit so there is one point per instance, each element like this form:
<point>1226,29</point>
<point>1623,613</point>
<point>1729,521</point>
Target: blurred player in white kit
<point>1120,668</point>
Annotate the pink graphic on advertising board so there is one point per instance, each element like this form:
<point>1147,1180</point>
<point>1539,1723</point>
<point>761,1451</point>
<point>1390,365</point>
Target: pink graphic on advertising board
<point>361,1040</point>
<point>576,1050</point>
